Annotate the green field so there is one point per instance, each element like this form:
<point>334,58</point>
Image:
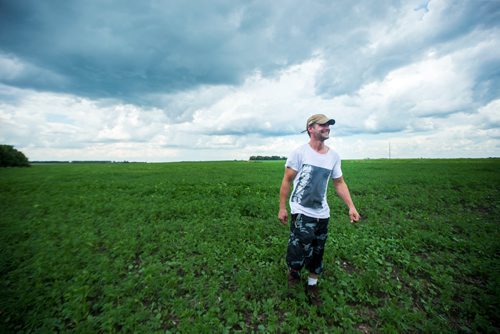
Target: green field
<point>197,247</point>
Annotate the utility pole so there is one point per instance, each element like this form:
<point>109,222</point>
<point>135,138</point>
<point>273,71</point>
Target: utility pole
<point>389,150</point>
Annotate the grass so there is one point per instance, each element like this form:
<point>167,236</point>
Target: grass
<point>197,247</point>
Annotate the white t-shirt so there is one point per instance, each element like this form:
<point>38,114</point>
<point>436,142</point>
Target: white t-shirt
<point>314,170</point>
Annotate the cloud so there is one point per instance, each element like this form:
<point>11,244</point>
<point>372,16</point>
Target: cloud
<point>67,121</point>
<point>123,50</point>
<point>16,72</point>
<point>163,81</point>
<point>435,86</point>
<point>264,106</point>
<point>224,118</point>
<point>403,35</point>
<point>490,117</point>
<point>126,50</point>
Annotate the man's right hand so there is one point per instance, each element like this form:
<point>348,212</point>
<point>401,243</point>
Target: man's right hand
<point>283,216</point>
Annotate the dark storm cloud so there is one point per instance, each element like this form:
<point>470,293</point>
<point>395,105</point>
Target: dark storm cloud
<point>128,49</point>
<point>124,49</point>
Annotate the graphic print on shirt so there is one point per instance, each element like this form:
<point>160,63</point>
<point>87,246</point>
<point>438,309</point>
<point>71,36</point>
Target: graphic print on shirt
<point>311,186</point>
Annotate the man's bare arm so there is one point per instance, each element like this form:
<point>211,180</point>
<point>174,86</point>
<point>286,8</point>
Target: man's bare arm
<point>343,192</point>
<point>284,193</point>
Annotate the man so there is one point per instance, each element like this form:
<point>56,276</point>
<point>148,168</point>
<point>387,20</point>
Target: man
<point>310,167</point>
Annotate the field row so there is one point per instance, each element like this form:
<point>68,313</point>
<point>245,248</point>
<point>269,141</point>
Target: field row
<point>197,247</point>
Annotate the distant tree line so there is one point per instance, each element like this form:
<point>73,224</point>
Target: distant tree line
<point>10,157</point>
<point>260,157</point>
<point>91,161</point>
<point>79,162</point>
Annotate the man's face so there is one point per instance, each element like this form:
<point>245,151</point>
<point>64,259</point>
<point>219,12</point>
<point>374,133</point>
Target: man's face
<point>321,131</point>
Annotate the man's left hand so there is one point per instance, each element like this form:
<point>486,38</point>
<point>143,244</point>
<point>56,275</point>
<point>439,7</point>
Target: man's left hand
<point>354,215</point>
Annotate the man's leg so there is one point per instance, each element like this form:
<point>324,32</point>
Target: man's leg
<point>315,263</point>
<point>299,246</point>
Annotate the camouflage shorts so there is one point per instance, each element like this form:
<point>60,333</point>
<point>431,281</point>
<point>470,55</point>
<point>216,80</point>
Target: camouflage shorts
<point>307,243</point>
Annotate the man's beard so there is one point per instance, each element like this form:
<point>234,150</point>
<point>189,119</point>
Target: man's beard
<point>323,135</point>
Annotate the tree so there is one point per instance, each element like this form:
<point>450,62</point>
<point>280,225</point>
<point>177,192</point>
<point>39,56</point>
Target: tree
<point>10,157</point>
<point>259,157</point>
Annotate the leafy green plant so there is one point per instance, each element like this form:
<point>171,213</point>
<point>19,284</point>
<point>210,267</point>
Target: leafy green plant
<point>197,247</point>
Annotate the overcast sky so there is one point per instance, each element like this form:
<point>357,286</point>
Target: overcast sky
<point>171,80</point>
